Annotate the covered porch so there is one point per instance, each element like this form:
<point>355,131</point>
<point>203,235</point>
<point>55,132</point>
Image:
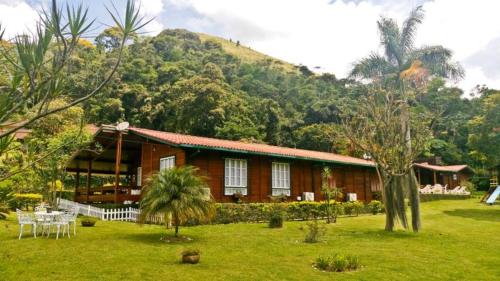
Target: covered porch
<point>108,172</point>
<point>450,176</point>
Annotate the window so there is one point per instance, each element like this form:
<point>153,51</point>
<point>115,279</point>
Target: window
<point>139,176</point>
<point>281,179</point>
<point>167,163</point>
<point>235,180</point>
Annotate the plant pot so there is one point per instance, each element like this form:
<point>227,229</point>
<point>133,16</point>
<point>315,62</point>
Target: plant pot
<point>192,259</point>
<point>88,223</point>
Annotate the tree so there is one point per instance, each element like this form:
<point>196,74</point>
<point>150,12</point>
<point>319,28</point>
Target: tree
<point>376,129</point>
<point>178,193</point>
<point>403,69</point>
<point>484,139</point>
<point>38,65</point>
<point>331,193</point>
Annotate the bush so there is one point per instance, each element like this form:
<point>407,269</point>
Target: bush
<point>375,207</point>
<point>276,220</point>
<point>314,232</point>
<point>88,221</point>
<point>338,263</point>
<point>434,197</point>
<point>261,212</point>
<point>26,200</point>
<point>304,210</point>
<point>353,208</point>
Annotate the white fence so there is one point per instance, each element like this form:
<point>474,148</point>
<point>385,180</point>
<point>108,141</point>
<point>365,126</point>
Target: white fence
<point>119,214</point>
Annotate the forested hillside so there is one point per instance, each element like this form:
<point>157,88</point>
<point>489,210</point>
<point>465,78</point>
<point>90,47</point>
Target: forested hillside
<point>197,84</point>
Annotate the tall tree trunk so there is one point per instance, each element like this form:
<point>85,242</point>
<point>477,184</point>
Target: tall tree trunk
<point>414,201</point>
<point>176,221</point>
<point>399,199</point>
<point>388,197</point>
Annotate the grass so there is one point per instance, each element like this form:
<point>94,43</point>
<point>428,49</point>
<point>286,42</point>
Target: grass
<point>460,241</point>
<point>248,55</point>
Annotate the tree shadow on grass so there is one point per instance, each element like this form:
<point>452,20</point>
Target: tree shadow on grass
<point>160,238</point>
<point>476,214</point>
<point>381,234</point>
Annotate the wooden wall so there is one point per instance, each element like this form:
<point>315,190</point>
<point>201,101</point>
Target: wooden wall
<point>151,154</point>
<point>305,176</point>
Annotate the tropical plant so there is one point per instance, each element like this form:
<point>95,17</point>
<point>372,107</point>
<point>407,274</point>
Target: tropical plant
<point>314,231</point>
<point>178,193</point>
<point>338,263</point>
<point>331,193</point>
<point>403,69</point>
<point>38,64</point>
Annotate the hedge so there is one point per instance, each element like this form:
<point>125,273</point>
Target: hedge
<point>26,200</point>
<point>434,197</point>
<point>304,210</point>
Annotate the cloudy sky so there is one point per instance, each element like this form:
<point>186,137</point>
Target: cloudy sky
<point>329,34</point>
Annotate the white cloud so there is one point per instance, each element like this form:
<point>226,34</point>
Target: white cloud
<point>151,9</point>
<point>17,17</point>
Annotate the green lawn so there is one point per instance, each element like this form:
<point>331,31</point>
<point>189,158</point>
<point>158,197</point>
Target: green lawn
<point>460,241</point>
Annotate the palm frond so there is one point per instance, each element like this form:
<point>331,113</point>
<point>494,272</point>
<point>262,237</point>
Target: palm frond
<point>178,192</point>
<point>372,67</point>
<point>389,39</point>
<point>437,59</point>
<point>409,29</point>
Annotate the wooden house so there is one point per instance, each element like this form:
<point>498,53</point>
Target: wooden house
<point>452,176</point>
<point>256,171</point>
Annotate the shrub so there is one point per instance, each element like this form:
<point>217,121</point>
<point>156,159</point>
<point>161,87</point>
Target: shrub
<point>434,197</point>
<point>314,232</point>
<point>336,209</point>
<point>276,220</point>
<point>191,252</point>
<point>26,200</point>
<point>88,221</point>
<point>375,207</point>
<point>304,210</point>
<point>338,263</point>
<point>191,256</point>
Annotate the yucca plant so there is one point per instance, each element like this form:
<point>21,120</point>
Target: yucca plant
<point>178,193</point>
<point>37,64</point>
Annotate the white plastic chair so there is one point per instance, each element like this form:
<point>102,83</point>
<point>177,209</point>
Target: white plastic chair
<point>71,218</point>
<point>61,221</point>
<point>45,222</point>
<point>25,219</point>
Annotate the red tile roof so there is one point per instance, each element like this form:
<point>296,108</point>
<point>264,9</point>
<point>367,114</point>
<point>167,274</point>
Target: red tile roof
<point>452,168</point>
<point>254,148</point>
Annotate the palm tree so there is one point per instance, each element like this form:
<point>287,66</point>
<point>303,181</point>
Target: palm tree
<point>177,193</point>
<point>403,68</point>
<point>400,53</point>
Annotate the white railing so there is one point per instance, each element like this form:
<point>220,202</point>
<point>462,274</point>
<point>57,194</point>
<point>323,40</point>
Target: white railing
<point>118,214</point>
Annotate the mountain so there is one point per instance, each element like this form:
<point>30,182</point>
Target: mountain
<point>246,54</point>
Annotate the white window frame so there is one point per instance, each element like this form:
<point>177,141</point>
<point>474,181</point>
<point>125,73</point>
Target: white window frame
<point>167,162</point>
<point>235,176</point>
<point>138,179</point>
<point>280,182</point>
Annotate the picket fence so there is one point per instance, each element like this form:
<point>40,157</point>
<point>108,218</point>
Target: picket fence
<point>118,214</point>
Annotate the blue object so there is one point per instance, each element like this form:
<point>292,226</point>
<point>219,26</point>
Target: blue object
<point>493,196</point>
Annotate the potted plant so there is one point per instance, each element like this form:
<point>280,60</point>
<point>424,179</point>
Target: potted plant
<point>191,256</point>
<point>237,197</point>
<point>88,221</point>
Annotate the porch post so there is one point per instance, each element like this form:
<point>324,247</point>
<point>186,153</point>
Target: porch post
<point>435,181</point>
<point>117,164</point>
<point>89,178</point>
<point>418,175</point>
<point>77,183</point>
